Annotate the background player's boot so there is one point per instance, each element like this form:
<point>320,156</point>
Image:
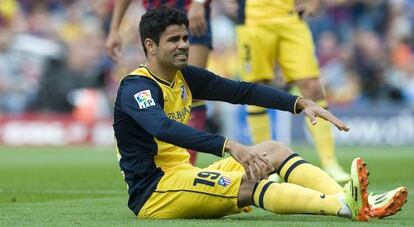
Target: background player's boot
<point>387,203</point>
<point>356,195</point>
<point>337,173</point>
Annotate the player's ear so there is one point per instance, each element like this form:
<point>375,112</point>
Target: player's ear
<point>151,46</point>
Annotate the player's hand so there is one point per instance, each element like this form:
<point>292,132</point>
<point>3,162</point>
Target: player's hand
<point>313,110</point>
<point>114,45</point>
<point>306,8</point>
<point>257,167</point>
<point>196,17</point>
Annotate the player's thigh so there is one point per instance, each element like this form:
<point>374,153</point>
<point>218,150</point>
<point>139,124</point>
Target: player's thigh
<point>296,55</point>
<point>194,193</point>
<point>256,49</point>
<point>227,164</point>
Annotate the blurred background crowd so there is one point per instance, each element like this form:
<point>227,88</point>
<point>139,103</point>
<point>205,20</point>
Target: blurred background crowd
<point>53,57</point>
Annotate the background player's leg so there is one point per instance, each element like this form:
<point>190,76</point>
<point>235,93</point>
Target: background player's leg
<point>256,52</point>
<point>300,66</point>
<point>322,132</point>
<point>258,121</point>
<point>198,56</point>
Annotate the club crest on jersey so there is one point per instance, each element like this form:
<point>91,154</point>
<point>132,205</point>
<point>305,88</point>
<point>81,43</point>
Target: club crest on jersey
<point>144,99</point>
<point>183,92</point>
<point>224,181</point>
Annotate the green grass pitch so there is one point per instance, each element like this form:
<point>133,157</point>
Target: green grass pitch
<point>68,186</point>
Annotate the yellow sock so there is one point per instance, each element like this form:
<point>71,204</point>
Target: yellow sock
<point>259,124</point>
<point>298,171</point>
<point>323,139</point>
<point>288,198</point>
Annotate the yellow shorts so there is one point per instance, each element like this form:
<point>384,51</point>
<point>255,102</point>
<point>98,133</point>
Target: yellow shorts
<point>191,192</point>
<point>288,43</point>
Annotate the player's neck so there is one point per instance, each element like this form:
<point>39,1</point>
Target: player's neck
<point>167,74</point>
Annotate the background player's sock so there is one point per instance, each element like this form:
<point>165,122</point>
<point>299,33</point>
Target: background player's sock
<point>323,138</point>
<point>197,120</point>
<point>324,141</point>
<point>258,121</point>
<point>325,146</point>
<point>285,198</point>
<point>297,171</point>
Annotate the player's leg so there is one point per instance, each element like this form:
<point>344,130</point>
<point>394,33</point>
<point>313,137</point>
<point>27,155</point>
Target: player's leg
<point>194,193</point>
<point>289,165</point>
<point>299,66</point>
<point>200,48</point>
<point>280,198</point>
<point>255,48</point>
<point>287,198</point>
<point>285,161</point>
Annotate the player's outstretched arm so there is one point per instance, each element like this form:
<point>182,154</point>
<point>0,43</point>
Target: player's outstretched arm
<point>257,167</point>
<point>313,110</point>
<point>114,42</point>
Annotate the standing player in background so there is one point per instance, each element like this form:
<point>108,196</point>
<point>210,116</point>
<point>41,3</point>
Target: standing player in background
<point>198,12</point>
<point>276,31</point>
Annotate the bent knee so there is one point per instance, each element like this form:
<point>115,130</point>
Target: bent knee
<point>276,151</point>
<point>277,146</point>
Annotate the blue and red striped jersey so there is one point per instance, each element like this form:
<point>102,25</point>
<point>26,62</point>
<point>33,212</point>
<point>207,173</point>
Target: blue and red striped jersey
<point>179,4</point>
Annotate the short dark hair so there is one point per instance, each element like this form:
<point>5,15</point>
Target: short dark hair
<point>155,21</point>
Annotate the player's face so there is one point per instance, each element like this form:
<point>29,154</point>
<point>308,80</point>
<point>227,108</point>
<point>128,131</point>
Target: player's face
<point>172,50</point>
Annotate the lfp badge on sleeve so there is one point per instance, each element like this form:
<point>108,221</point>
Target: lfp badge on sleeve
<point>144,99</point>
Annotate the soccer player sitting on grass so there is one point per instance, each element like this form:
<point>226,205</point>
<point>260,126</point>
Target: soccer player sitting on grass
<point>150,115</point>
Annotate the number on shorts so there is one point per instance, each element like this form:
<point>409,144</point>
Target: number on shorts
<point>247,52</point>
<point>206,174</point>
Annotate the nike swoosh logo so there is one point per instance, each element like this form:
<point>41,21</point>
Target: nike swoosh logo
<point>322,196</point>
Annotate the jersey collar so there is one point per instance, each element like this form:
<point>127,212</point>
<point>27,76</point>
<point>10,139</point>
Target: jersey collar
<point>160,80</point>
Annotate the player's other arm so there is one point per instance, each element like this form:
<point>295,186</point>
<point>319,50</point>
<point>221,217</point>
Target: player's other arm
<point>142,100</point>
<point>196,17</point>
<point>307,8</point>
<point>114,41</point>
